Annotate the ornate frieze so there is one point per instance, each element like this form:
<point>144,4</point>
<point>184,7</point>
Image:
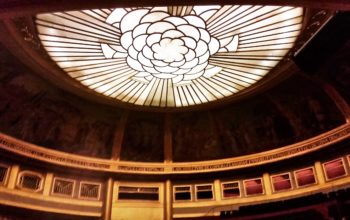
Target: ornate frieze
<point>55,157</point>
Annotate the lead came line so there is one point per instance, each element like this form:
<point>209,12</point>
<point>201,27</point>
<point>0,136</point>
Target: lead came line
<point>173,56</point>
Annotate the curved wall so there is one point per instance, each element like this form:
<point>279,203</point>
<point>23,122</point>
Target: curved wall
<point>34,111</point>
<point>65,192</point>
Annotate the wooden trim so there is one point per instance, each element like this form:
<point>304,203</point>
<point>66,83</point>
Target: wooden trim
<point>107,209</point>
<point>319,175</point>
<point>168,200</point>
<point>190,191</point>
<point>119,135</point>
<point>168,140</point>
<point>306,168</point>
<point>281,174</point>
<point>158,185</point>
<point>64,179</point>
<point>48,184</point>
<point>92,183</point>
<point>204,184</point>
<point>262,185</point>
<point>22,173</point>
<point>228,182</point>
<point>6,177</point>
<point>103,165</point>
<point>12,180</point>
<point>325,172</point>
<point>197,209</point>
<point>14,8</point>
<point>36,201</point>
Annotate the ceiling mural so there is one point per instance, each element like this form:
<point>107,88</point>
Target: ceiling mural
<point>172,56</point>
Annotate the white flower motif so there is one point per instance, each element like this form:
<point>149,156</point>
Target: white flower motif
<point>157,44</point>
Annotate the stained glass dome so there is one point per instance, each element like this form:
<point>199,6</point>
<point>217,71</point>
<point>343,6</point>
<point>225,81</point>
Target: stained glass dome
<point>172,56</point>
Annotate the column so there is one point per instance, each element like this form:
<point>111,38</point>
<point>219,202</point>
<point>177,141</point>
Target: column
<point>319,173</point>
<point>118,136</point>
<point>168,145</point>
<point>267,184</point>
<point>13,177</point>
<point>217,190</point>
<point>47,184</point>
<point>340,102</point>
<point>107,208</point>
<point>168,200</point>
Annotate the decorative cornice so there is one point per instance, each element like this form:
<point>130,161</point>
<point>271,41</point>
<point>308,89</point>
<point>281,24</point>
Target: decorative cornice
<point>89,163</point>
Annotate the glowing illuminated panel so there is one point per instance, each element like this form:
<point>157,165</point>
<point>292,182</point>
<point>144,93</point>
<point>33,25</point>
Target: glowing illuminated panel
<point>170,56</point>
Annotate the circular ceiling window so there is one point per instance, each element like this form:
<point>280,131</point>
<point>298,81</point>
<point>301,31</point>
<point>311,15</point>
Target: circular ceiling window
<point>170,56</point>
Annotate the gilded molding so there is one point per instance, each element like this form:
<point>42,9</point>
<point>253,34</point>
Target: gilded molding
<point>81,162</point>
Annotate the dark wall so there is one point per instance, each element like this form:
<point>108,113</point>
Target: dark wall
<point>143,138</point>
<point>337,71</point>
<point>35,111</point>
<point>196,137</point>
<point>293,111</point>
<point>38,112</point>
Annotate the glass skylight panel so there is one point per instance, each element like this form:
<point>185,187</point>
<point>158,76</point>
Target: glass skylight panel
<point>170,56</point>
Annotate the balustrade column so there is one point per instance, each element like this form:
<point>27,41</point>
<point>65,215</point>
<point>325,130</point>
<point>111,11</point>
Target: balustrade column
<point>217,190</point>
<point>47,184</point>
<point>267,184</point>
<point>319,173</point>
<point>13,177</point>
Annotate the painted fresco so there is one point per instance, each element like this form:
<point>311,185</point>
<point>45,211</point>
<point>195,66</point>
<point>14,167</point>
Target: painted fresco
<point>34,111</point>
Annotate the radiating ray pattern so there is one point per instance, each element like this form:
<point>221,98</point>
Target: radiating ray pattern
<point>173,56</point>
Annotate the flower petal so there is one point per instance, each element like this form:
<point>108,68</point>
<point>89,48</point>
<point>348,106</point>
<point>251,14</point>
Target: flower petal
<point>166,69</point>
<point>172,34</point>
<point>190,64</point>
<point>159,27</point>
<point>154,16</point>
<point>190,55</point>
<point>214,45</point>
<point>165,75</point>
<point>126,40</point>
<point>204,58</point>
<point>201,48</point>
<point>193,76</point>
<point>195,21</point>
<point>177,79</point>
<point>147,52</point>
<point>204,35</point>
<point>189,42</point>
<point>144,61</point>
<point>140,29</point>
<point>132,52</point>
<point>190,31</point>
<point>210,72</point>
<point>116,16</point>
<point>153,38</point>
<point>176,20</point>
<point>132,19</point>
<point>139,42</point>
<point>134,64</point>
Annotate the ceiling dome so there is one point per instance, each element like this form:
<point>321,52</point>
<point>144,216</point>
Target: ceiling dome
<point>178,112</point>
<point>277,114</point>
<point>170,57</point>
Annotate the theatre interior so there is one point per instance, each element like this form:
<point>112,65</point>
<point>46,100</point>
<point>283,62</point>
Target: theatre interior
<point>161,110</point>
